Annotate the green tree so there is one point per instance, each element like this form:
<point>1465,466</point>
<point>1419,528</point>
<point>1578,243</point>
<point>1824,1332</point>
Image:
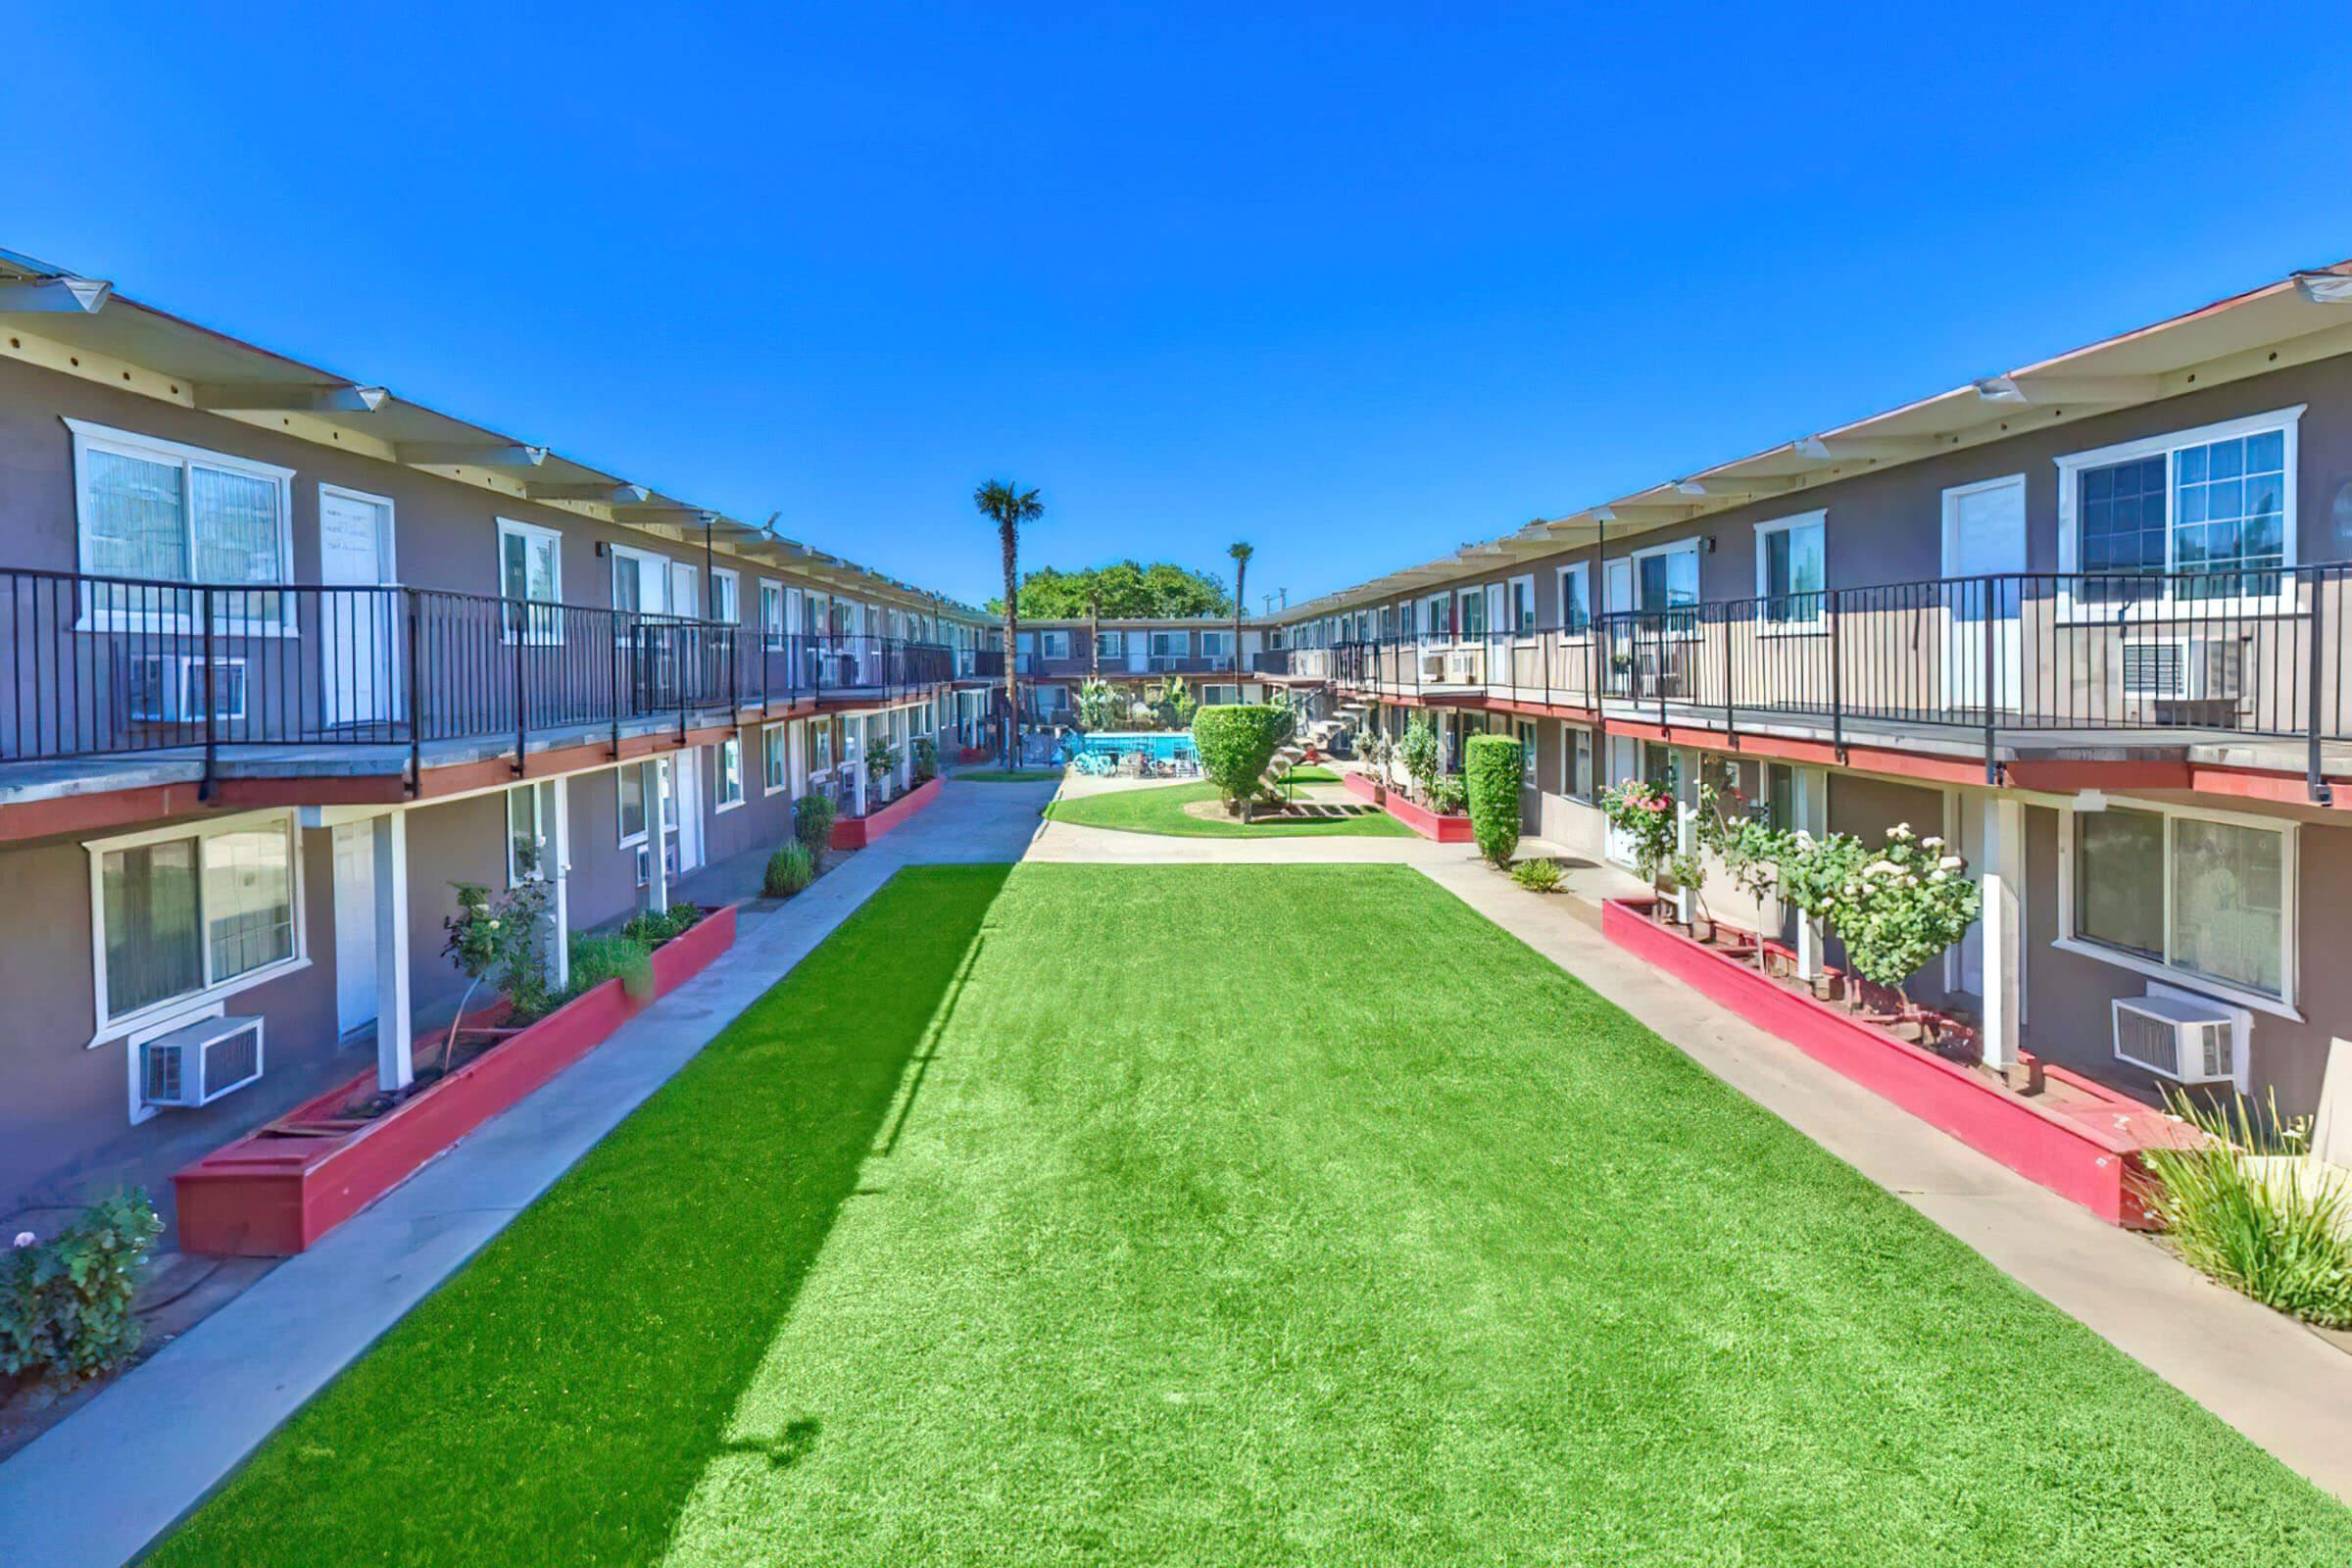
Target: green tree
<point>1008,505</point>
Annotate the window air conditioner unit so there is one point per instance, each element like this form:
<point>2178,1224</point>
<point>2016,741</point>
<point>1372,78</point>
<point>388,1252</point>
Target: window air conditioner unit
<point>199,1062</point>
<point>2182,1038</point>
<point>169,688</point>
<point>2182,669</point>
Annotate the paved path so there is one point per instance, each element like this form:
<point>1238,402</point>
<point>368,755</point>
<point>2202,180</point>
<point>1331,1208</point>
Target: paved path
<point>2281,1384</point>
<point>99,1487</point>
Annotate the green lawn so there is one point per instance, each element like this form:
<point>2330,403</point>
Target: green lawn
<point>1006,775</point>
<point>1231,1214</point>
<point>1159,809</point>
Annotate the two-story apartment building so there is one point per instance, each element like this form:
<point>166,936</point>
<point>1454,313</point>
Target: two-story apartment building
<point>2086,620</point>
<point>285,655</point>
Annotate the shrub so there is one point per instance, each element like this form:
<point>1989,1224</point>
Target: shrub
<point>790,870</point>
<point>1100,705</point>
<point>596,959</point>
<point>1539,875</point>
<point>2249,1207</point>
<point>1494,772</point>
<point>1236,742</point>
<point>653,927</point>
<point>501,936</point>
<point>1900,911</point>
<point>926,759</point>
<point>1418,753</point>
<point>1645,817</point>
<point>65,1303</point>
<point>812,822</point>
<point>1446,796</point>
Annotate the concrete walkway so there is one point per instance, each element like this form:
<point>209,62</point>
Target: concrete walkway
<point>2283,1385</point>
<point>99,1487</point>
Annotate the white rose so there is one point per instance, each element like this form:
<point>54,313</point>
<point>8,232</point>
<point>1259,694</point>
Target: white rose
<point>1931,844</point>
<point>25,1238</point>
<point>1937,877</point>
<point>1951,862</point>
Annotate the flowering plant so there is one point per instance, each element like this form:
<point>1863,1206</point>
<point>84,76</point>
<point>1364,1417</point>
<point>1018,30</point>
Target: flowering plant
<point>1645,818</point>
<point>1900,911</point>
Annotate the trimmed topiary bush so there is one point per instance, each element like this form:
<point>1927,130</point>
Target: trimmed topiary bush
<point>1236,742</point>
<point>1492,767</point>
<point>790,870</point>
<point>812,822</point>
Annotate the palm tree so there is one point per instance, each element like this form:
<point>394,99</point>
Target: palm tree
<point>1008,505</point>
<point>1241,554</point>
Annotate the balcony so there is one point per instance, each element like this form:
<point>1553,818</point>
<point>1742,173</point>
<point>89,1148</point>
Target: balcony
<point>2246,668</point>
<point>288,678</point>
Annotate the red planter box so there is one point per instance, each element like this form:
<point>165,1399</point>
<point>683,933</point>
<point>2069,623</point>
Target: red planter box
<point>857,832</point>
<point>2087,1150</point>
<point>973,753</point>
<point>271,1195</point>
<point>1422,820</point>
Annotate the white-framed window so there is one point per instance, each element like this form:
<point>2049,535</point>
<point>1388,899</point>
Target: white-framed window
<point>1576,761</point>
<point>629,793</point>
<point>1792,571</point>
<point>1110,645</point>
<point>1527,754</point>
<point>159,511</point>
<point>1519,596</point>
<point>2201,899</point>
<point>1471,608</point>
<point>1665,583</point>
<point>530,567</point>
<point>1213,696</point>
<point>726,595</point>
<point>1171,645</point>
<point>729,779</point>
<point>1055,644</point>
<point>185,915</point>
<point>1217,645</point>
<point>2215,506</point>
<point>1575,584</point>
<point>530,831</point>
<point>1437,617</point>
<point>771,611</point>
<point>775,758</point>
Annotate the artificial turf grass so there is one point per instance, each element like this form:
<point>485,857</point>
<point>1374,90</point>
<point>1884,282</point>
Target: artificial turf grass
<point>1159,809</point>
<point>1244,1215</point>
<point>556,1400</point>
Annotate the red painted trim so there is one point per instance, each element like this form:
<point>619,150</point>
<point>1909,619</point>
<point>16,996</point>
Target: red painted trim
<point>2079,1154</point>
<point>270,1196</point>
<point>94,812</point>
<point>857,832</point>
<point>1422,820</point>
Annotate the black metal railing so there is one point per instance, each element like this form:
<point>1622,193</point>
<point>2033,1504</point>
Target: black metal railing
<point>105,666</point>
<point>2249,653</point>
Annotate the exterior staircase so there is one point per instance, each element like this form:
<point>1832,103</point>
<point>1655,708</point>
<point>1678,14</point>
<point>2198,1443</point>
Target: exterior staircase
<point>1315,736</point>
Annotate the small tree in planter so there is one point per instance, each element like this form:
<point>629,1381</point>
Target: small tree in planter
<point>1236,740</point>
<point>880,762</point>
<point>812,823</point>
<point>1904,909</point>
<point>1494,772</point>
<point>1418,751</point>
<point>498,935</point>
<point>1644,819</point>
<point>926,759</point>
<point>1374,749</point>
<point>1749,850</point>
<point>1816,876</point>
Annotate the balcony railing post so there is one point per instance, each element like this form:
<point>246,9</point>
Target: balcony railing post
<point>1993,767</point>
<point>2314,779</point>
<point>1838,676</point>
<point>523,635</point>
<point>415,695</point>
<point>212,706</point>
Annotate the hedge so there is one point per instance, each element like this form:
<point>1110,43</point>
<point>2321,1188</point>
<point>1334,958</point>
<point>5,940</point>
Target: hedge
<point>1491,766</point>
<point>1236,742</point>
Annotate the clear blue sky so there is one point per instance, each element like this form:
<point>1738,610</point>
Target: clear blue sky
<point>1356,286</point>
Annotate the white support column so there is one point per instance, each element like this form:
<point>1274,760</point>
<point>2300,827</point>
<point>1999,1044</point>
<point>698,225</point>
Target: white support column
<point>1685,826</point>
<point>853,741</point>
<point>394,1068</point>
<point>559,877</point>
<point>1812,816</point>
<point>657,872</point>
<point>2004,930</point>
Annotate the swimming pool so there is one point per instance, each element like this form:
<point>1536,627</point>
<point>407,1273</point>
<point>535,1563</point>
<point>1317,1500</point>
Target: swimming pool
<point>1161,745</point>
